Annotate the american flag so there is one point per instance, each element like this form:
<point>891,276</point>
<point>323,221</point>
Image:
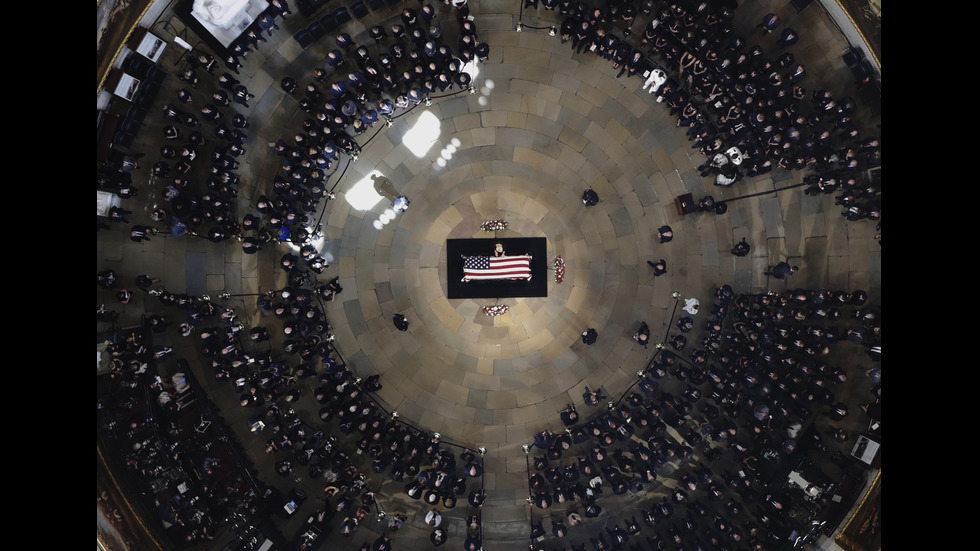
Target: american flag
<point>493,267</point>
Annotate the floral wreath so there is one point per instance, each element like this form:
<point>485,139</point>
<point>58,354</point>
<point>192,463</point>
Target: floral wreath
<point>494,310</point>
<point>494,225</point>
<point>559,269</point>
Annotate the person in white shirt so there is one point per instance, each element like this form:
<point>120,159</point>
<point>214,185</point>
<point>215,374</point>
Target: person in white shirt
<point>433,518</point>
<point>656,79</point>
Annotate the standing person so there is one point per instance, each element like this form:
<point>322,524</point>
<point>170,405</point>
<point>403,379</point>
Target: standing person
<point>232,63</point>
<point>659,267</point>
<point>280,8</point>
<point>106,278</point>
<point>159,323</point>
<point>782,270</point>
<point>118,214</point>
<point>741,248</point>
<point>227,81</point>
<point>788,38</point>
<point>268,22</point>
<point>139,233</point>
<point>590,198</point>
<point>144,282</point>
<point>769,23</point>
<point>400,321</point>
<point>592,398</point>
<point>239,121</point>
<point>642,335</point>
<point>685,324</point>
<point>242,95</point>
<point>208,62</point>
<point>665,233</point>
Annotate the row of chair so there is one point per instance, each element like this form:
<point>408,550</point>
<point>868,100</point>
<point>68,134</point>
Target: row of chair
<point>335,18</point>
<point>319,28</point>
<point>309,7</point>
<point>151,79</point>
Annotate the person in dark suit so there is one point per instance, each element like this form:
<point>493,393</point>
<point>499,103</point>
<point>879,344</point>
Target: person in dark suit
<point>592,398</point>
<point>665,233</point>
<point>589,336</point>
<point>242,95</point>
<point>659,267</point>
<point>378,33</point>
<point>568,27</point>
<point>268,22</point>
<point>590,197</point>
<point>642,335</point>
<point>345,42</point>
<point>769,23</point>
<point>280,8</point>
<point>582,37</point>
<point>400,321</point>
<point>741,248</point>
<point>788,38</point>
<point>232,63</point>
<point>409,17</point>
<point>139,233</point>
<point>798,74</point>
<point>631,63</point>
<point>782,270</point>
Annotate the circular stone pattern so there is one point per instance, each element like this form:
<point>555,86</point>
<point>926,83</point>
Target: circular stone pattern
<point>524,150</point>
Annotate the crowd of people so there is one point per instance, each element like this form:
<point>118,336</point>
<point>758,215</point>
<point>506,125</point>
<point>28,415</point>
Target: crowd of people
<point>396,72</point>
<point>745,112</point>
<point>151,419</point>
<point>202,126</point>
<point>360,85</point>
<point>757,379</point>
<point>690,436</point>
<point>350,423</point>
<point>759,362</point>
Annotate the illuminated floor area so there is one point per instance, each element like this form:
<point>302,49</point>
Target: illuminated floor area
<point>543,125</point>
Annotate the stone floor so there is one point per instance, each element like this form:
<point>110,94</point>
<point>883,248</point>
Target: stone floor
<point>544,125</point>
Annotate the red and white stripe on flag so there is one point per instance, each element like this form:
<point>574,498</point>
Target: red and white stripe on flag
<point>500,267</point>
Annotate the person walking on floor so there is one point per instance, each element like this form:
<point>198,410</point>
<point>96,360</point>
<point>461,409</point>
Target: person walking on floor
<point>782,270</point>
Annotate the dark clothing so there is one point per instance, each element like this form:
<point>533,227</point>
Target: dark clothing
<point>741,248</point>
<point>781,271</point>
<point>139,233</point>
<point>590,197</point>
<point>659,268</point>
<point>643,334</point>
<point>144,282</point>
<point>788,38</point>
<point>401,323</point>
